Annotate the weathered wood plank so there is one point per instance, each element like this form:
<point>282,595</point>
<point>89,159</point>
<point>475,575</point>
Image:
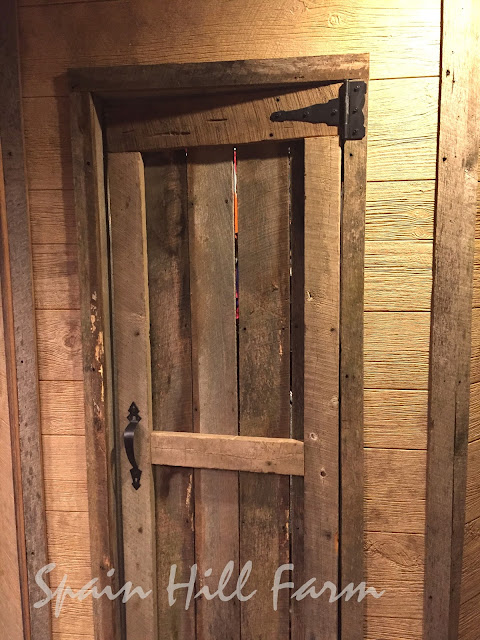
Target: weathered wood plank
<point>131,355</point>
<point>238,453</point>
<point>455,211</point>
<point>352,382</point>
<point>474,428</point>
<point>55,276</point>
<point>469,619</point>
<point>231,118</point>
<point>171,345</point>
<point>69,547</point>
<point>322,372</point>
<point>20,331</point>
<point>212,285</point>
<point>88,163</point>
<point>395,485</point>
<point>264,371</point>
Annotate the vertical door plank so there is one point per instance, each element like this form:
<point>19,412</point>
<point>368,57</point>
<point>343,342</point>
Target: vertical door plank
<point>321,383</point>
<point>297,233</point>
<point>214,364</point>
<point>170,340</point>
<point>264,373</point>
<point>351,385</point>
<point>132,365</point>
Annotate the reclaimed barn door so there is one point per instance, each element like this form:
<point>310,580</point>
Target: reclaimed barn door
<point>226,283</point>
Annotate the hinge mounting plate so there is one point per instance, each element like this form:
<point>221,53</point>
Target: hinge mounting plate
<point>345,112</point>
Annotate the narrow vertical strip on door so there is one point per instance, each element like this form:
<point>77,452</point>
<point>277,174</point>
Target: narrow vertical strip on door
<point>131,356</point>
<point>214,365</point>
<point>321,383</point>
<point>171,345</point>
<point>264,374</point>
<point>351,386</point>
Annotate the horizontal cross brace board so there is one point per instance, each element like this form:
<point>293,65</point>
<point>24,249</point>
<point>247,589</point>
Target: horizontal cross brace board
<point>236,453</point>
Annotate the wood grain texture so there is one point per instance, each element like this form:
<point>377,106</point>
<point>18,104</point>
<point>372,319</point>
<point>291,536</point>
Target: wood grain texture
<point>131,357</point>
<point>215,409</point>
<point>472,502</point>
<point>399,210</point>
<point>469,619</point>
<point>321,381</point>
<point>398,276</point>
<point>65,472</point>
<point>69,547</point>
<point>396,350</point>
<point>396,419</point>
<point>282,456</point>
<point>19,330</point>
<point>392,629</point>
<point>451,350</point>
<point>171,356</point>
<point>52,216</point>
<point>11,615</point>
<point>402,145</point>
<point>88,163</point>
<point>264,372</point>
<point>395,485</point>
<point>59,345</point>
<point>133,36</point>
<point>474,428</point>
<point>55,273</point>
<point>231,118</point>
<point>352,382</point>
<point>471,562</point>
<point>395,563</point>
<point>61,404</point>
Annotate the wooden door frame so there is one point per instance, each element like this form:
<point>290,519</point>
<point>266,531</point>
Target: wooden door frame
<point>89,89</point>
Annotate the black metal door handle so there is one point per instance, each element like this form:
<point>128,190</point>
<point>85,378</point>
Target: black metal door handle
<point>129,439</point>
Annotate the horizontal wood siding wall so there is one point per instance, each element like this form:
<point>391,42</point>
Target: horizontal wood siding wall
<point>403,39</point>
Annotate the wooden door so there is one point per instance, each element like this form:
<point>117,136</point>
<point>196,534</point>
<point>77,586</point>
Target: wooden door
<point>228,344</point>
<point>236,288</point>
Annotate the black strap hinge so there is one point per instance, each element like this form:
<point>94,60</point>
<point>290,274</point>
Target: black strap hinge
<point>344,112</point>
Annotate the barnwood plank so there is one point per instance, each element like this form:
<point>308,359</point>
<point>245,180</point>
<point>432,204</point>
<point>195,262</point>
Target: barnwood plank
<point>20,332</point>
<point>61,404</point>
<point>220,75</point>
<point>472,501</point>
<point>321,378</point>
<point>214,363</point>
<point>69,547</point>
<point>88,160</point>
<point>474,429</point>
<point>238,453</point>
<point>231,118</point>
<point>471,562</point>
<point>264,372</point>
<point>352,382</point>
<point>59,341</point>
<point>469,619</point>
<point>131,355</point>
<point>450,353</point>
<point>171,345</point>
